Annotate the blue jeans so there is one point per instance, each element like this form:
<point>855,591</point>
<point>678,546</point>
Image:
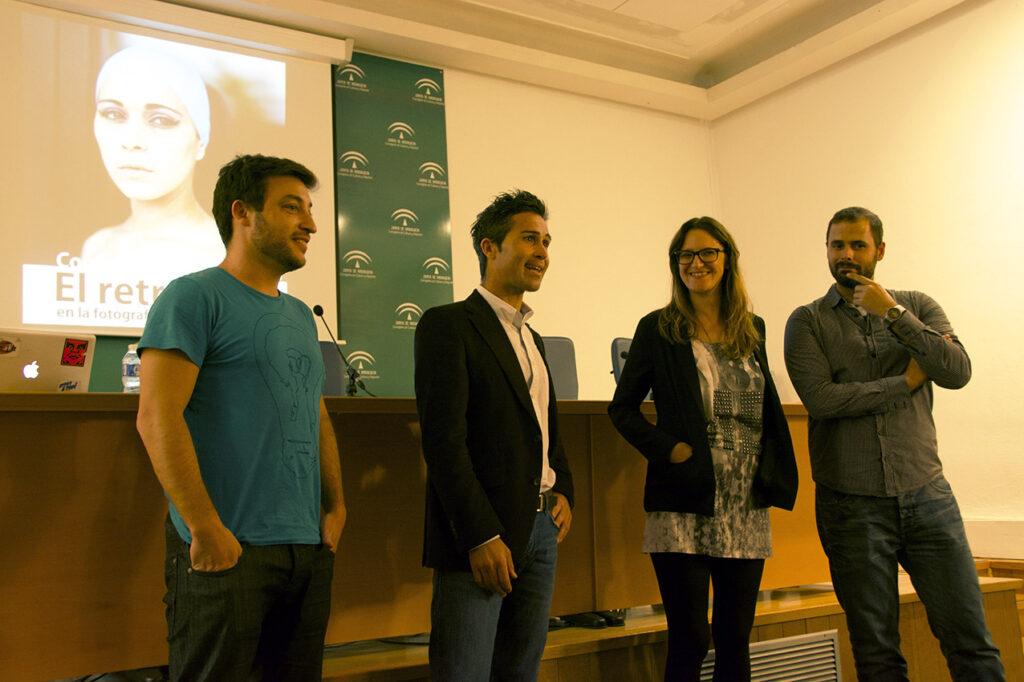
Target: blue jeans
<point>865,538</point>
<point>476,635</point>
<point>262,619</point>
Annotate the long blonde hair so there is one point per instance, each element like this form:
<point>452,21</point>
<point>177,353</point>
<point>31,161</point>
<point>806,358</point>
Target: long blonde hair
<point>677,321</point>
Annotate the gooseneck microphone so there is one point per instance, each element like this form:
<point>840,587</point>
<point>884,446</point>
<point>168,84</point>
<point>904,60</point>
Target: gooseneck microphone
<point>353,375</point>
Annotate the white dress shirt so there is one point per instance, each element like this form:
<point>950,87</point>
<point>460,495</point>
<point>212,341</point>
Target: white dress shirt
<point>534,370</point>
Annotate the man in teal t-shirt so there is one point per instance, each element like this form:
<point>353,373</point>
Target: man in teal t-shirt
<point>232,416</point>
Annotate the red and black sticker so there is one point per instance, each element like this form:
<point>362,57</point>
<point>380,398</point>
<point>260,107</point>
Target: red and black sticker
<point>74,352</point>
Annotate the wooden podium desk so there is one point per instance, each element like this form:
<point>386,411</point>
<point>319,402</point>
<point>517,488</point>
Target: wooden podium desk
<point>81,530</point>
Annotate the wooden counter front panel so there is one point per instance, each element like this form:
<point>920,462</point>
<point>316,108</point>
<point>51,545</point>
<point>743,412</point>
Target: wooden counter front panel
<point>797,556</point>
<point>81,546</point>
<point>380,588</point>
<point>81,522</point>
<point>624,575</point>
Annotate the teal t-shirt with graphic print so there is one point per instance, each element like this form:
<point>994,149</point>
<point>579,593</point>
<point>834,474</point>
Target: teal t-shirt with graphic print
<point>254,415</point>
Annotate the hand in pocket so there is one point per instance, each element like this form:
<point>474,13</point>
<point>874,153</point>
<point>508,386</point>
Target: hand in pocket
<point>680,453</point>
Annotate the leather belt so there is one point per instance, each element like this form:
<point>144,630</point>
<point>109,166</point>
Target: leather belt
<point>546,501</point>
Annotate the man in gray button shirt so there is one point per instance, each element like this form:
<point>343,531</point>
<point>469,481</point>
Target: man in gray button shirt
<point>863,360</point>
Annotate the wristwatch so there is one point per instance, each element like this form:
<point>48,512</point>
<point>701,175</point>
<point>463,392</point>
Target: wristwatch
<point>894,313</point>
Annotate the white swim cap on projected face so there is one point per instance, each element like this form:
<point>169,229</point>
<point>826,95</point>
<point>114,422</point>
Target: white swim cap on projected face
<point>150,64</point>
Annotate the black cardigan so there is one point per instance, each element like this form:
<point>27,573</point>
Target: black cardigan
<point>670,371</point>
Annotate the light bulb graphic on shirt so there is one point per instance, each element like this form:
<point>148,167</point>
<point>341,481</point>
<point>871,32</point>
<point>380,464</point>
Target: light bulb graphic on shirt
<point>287,369</point>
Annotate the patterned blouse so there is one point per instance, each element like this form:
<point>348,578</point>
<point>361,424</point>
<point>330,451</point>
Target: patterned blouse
<point>733,394</point>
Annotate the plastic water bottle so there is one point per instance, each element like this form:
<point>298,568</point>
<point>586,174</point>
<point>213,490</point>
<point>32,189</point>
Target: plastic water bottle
<point>130,370</point>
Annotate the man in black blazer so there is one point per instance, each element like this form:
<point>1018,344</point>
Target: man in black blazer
<point>499,491</point>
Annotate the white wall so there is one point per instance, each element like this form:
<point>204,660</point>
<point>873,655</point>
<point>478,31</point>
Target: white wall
<point>618,182</point>
<point>927,131</point>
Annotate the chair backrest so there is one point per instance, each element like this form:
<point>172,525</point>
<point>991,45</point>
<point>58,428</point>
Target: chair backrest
<point>561,356</point>
<point>334,370</point>
<point>620,349</point>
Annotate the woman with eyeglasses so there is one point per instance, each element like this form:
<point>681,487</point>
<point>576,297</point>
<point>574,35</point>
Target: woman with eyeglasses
<point>719,455</point>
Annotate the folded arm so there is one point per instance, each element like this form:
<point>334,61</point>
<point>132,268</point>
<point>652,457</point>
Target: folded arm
<point>811,374</point>
<point>928,337</point>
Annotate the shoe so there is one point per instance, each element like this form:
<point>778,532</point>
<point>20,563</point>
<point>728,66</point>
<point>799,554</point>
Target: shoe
<point>588,620</point>
<point>556,623</point>
<point>614,618</point>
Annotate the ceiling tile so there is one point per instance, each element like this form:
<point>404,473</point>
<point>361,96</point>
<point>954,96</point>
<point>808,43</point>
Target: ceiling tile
<point>680,16</point>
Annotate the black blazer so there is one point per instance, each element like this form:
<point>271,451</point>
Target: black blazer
<point>481,438</point>
<point>671,372</point>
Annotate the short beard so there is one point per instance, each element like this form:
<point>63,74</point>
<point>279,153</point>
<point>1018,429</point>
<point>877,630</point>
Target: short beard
<point>275,250</point>
<point>844,280</point>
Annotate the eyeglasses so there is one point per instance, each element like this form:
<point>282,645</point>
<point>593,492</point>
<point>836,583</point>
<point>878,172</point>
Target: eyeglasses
<point>705,255</point>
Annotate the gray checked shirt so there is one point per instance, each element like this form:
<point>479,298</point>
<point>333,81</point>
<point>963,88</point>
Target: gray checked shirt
<point>868,434</point>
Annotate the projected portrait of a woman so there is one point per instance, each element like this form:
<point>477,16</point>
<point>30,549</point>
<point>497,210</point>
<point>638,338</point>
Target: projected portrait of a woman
<point>152,125</point>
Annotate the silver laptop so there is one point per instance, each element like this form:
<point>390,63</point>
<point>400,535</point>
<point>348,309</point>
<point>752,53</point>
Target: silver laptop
<point>45,362</point>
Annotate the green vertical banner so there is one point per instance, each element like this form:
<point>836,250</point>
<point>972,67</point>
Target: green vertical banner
<point>394,231</point>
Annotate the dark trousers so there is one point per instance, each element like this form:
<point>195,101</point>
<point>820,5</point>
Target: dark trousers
<point>683,580</point>
<point>262,619</point>
<point>866,538</point>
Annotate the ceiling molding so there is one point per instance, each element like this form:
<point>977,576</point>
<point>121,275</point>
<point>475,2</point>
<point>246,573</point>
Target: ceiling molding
<point>829,47</point>
<point>455,46</point>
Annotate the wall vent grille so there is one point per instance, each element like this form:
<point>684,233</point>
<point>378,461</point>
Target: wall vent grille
<point>813,657</point>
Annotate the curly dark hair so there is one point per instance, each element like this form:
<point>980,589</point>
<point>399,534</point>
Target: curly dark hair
<point>244,178</point>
